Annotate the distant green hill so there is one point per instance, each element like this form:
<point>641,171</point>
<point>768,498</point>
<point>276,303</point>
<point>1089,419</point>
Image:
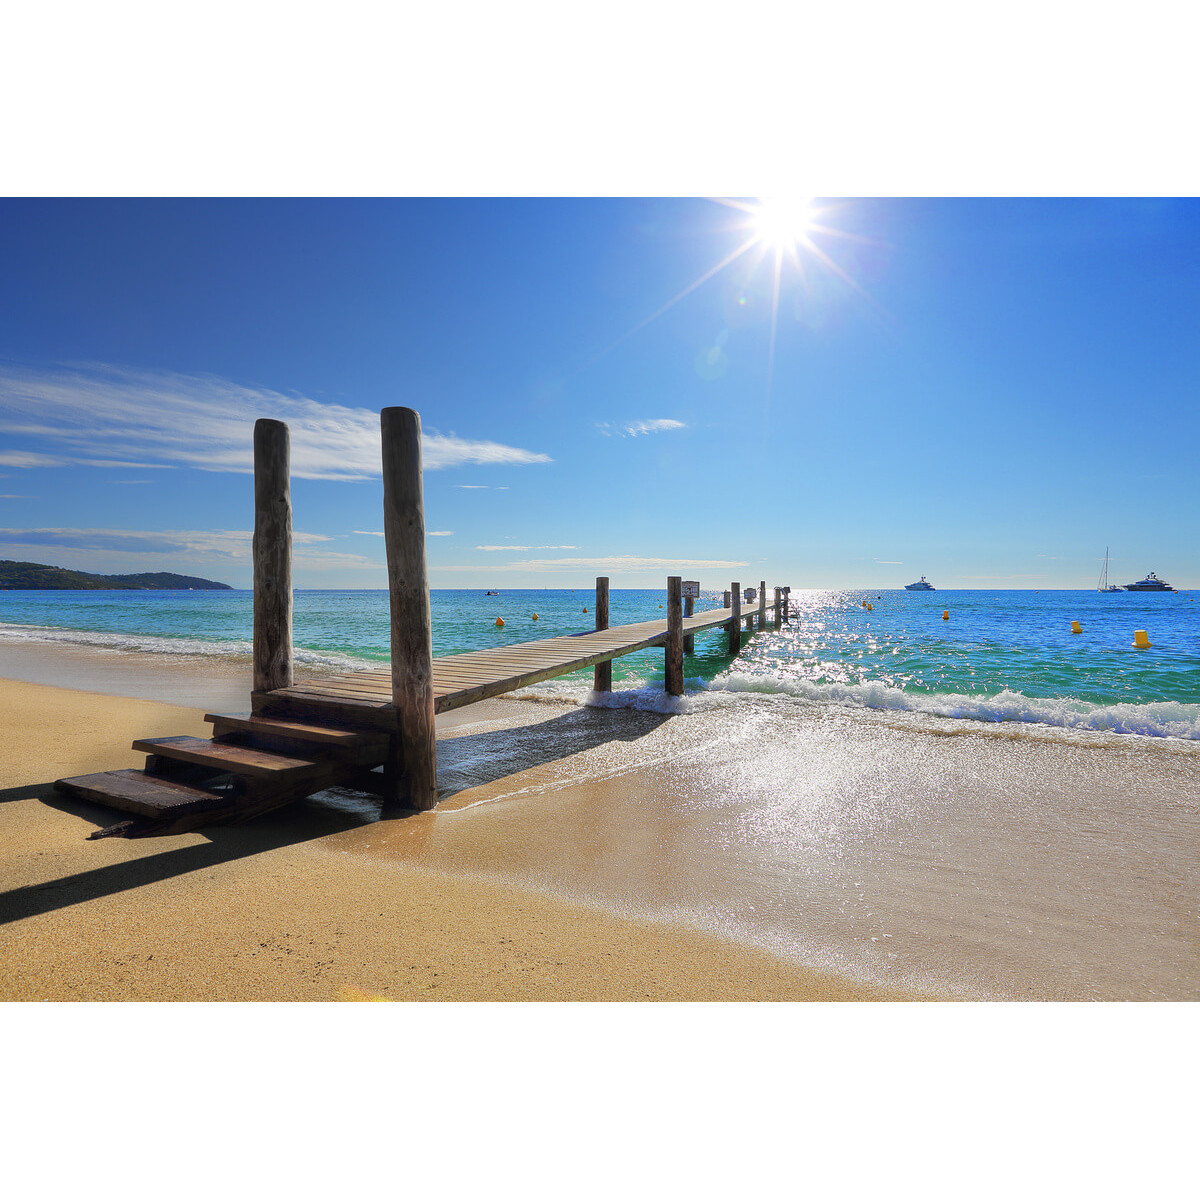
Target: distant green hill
<point>34,577</point>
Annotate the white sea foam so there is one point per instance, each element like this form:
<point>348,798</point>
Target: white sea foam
<point>1156,719</point>
<point>232,650</point>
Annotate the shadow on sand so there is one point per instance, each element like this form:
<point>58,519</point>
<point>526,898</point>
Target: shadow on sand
<point>463,762</point>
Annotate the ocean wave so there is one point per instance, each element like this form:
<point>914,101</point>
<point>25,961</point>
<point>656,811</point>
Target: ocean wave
<point>232,650</point>
<point>1155,719</point>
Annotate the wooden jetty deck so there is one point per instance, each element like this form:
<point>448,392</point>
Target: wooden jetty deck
<point>461,679</point>
<point>303,737</point>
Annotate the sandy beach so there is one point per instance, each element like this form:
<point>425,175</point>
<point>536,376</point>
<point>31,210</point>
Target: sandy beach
<point>753,849</point>
<point>273,911</point>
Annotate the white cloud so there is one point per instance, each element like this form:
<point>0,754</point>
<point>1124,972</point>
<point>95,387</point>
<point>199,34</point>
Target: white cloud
<point>370,532</point>
<point>620,562</point>
<point>526,547</point>
<point>439,533</point>
<point>481,487</point>
<point>107,416</point>
<point>25,458</point>
<point>637,428</point>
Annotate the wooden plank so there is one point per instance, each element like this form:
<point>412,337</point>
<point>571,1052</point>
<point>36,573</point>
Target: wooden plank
<point>272,551</point>
<point>302,732</point>
<point>136,792</point>
<point>359,714</point>
<point>222,756</point>
<point>413,767</point>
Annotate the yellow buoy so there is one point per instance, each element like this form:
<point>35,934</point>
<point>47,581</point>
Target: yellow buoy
<point>945,614</point>
<point>535,616</point>
<point>1141,640</point>
<point>1075,627</point>
<point>499,622</point>
<point>870,608</point>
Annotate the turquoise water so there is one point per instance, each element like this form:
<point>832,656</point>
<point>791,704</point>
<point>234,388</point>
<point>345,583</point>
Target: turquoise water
<point>1001,656</point>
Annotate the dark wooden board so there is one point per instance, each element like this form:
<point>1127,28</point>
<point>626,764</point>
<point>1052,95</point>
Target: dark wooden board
<point>136,792</point>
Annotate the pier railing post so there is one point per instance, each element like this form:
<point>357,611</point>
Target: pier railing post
<point>762,606</point>
<point>725,601</point>
<point>787,604</point>
<point>689,640</point>
<point>778,593</point>
<point>602,673</point>
<point>412,768</point>
<point>735,625</point>
<point>272,551</point>
<point>674,647</point>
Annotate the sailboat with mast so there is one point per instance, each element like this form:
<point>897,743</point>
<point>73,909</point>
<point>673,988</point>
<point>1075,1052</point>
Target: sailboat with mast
<point>1104,585</point>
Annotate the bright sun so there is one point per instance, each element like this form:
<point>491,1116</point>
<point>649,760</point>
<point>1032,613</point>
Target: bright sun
<point>783,222</point>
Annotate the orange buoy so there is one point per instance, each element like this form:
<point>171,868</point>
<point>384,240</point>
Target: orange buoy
<point>499,622</point>
<point>945,614</point>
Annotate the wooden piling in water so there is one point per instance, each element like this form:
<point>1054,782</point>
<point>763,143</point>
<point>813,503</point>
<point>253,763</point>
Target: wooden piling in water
<point>412,765</point>
<point>778,594</point>
<point>725,600</point>
<point>272,551</point>
<point>735,625</point>
<point>602,673</point>
<point>689,641</point>
<point>762,606</point>
<point>787,604</point>
<point>674,648</point>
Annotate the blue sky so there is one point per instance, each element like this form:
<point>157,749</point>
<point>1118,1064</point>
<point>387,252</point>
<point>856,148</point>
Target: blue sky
<point>987,392</point>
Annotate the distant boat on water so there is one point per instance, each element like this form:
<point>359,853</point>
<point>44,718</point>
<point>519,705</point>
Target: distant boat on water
<point>922,585</point>
<point>491,593</point>
<point>1104,585</point>
<point>1151,583</point>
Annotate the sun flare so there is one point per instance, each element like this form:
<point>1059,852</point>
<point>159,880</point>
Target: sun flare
<point>783,222</point>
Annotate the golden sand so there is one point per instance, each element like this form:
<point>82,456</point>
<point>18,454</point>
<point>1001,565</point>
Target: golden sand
<point>272,911</point>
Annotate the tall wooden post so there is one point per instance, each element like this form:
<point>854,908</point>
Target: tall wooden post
<point>412,767</point>
<point>725,603</point>
<point>602,673</point>
<point>272,548</point>
<point>778,593</point>
<point>689,641</point>
<point>787,604</point>
<point>762,606</point>
<point>735,625</point>
<point>674,646</point>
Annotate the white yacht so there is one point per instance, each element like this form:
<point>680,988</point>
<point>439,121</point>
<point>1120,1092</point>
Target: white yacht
<point>1151,583</point>
<point>922,585</point>
<point>1104,585</point>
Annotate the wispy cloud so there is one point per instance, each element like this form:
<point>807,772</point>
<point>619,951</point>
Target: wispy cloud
<point>100,415</point>
<point>482,487</point>
<point>638,428</point>
<point>212,546</point>
<point>11,496</point>
<point>620,562</point>
<point>428,532</point>
<point>25,458</point>
<point>889,562</point>
<point>526,547</point>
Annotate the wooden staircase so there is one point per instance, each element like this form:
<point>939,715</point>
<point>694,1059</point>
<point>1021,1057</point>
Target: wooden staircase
<point>250,766</point>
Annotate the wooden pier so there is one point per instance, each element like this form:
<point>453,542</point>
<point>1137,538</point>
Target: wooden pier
<point>339,730</point>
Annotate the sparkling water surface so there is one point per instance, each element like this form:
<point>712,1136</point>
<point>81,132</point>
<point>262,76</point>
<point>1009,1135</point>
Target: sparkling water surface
<point>1000,655</point>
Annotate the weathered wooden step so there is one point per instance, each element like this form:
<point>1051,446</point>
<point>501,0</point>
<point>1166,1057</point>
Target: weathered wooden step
<point>146,795</point>
<point>226,757</point>
<point>297,731</point>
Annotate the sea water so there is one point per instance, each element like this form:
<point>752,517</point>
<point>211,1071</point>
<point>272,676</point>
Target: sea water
<point>999,656</point>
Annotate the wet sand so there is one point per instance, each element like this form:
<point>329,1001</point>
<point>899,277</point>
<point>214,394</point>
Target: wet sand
<point>751,848</point>
<point>276,911</point>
